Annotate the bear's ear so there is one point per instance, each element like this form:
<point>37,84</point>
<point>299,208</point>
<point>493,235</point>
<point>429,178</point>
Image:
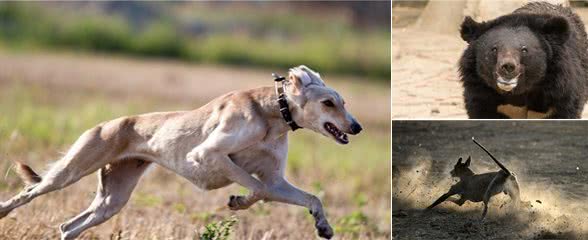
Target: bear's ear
<point>556,29</point>
<point>470,29</point>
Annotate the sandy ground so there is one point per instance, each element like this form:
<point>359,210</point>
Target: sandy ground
<point>551,172</point>
<point>424,72</point>
<point>173,80</point>
<point>425,81</point>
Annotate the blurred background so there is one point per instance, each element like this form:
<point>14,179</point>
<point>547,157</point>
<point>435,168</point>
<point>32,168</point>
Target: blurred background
<point>66,66</point>
<point>345,38</point>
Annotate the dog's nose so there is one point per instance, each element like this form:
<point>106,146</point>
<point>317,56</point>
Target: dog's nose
<point>355,128</point>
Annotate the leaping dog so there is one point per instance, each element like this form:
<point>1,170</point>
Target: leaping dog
<point>481,187</point>
<point>230,139</point>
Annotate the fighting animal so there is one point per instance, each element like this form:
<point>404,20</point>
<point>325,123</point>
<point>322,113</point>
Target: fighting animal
<point>480,187</point>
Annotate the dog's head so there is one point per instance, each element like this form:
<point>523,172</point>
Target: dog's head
<point>462,169</point>
<point>318,107</point>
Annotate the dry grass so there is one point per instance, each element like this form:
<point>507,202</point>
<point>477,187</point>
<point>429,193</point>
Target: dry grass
<point>39,121</point>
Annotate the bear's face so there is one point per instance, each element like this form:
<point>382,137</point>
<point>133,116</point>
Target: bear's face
<point>510,60</point>
<point>513,52</point>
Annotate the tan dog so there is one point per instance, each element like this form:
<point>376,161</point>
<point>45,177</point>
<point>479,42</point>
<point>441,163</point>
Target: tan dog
<point>228,140</point>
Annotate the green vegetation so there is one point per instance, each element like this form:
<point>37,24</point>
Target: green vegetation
<point>148,200</point>
<point>219,230</point>
<point>36,121</point>
<point>277,40</point>
<point>32,118</point>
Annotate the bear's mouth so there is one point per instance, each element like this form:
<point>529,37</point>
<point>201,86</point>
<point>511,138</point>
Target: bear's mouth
<point>340,136</point>
<point>507,84</point>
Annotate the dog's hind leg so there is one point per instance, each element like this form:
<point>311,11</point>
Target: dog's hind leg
<point>60,179</point>
<point>513,191</point>
<point>491,191</point>
<point>84,157</point>
<point>115,185</point>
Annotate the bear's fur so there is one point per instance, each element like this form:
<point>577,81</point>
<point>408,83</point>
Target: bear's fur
<point>531,63</point>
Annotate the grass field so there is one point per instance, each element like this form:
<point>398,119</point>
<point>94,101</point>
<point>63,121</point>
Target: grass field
<point>38,122</point>
<point>272,37</point>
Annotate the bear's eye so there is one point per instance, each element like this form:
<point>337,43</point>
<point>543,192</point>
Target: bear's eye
<point>524,49</point>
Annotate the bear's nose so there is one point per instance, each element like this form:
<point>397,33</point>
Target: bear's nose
<point>508,67</point>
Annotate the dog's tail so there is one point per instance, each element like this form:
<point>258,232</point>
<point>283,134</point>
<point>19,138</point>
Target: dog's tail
<point>26,173</point>
<point>493,158</point>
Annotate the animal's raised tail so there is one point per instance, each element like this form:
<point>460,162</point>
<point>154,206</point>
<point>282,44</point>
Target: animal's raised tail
<point>26,173</point>
<point>493,158</point>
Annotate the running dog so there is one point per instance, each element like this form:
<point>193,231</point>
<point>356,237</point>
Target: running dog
<point>481,187</point>
<point>229,140</point>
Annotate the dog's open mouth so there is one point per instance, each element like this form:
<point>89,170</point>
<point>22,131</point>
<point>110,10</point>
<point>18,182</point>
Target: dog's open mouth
<point>341,137</point>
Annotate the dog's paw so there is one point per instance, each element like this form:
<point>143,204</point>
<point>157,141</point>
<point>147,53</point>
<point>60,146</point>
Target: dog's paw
<point>4,214</point>
<point>237,203</point>
<point>325,231</point>
<point>3,211</point>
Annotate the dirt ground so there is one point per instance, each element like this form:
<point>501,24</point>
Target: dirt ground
<point>424,70</point>
<point>551,172</point>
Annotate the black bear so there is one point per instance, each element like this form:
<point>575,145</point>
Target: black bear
<point>531,63</point>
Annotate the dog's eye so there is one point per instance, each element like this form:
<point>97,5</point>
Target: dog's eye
<point>524,49</point>
<point>328,103</point>
<point>494,49</point>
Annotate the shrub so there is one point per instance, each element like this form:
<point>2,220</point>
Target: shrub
<point>219,230</point>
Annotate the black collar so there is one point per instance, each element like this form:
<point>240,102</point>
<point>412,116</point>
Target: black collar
<point>283,102</point>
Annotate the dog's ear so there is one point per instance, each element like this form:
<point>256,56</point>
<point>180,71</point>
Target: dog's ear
<point>298,81</point>
<point>467,163</point>
<point>301,77</point>
<point>295,89</point>
<point>458,161</point>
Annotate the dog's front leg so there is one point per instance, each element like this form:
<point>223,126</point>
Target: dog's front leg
<point>459,201</point>
<point>257,190</point>
<point>212,157</point>
<point>225,166</point>
<point>281,190</point>
<point>443,197</point>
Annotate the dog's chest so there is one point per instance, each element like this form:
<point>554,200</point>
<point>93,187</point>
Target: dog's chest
<point>263,157</point>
